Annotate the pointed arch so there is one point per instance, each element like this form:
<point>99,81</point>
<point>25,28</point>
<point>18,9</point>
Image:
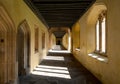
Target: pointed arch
<point>23,48</point>
<point>94,12</point>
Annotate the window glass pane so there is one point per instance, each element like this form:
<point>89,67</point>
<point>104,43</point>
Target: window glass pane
<point>97,36</point>
<point>36,39</point>
<point>103,36</point>
<point>43,40</point>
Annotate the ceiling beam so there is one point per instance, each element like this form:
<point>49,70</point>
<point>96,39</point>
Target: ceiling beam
<point>77,5</point>
<point>62,12</point>
<point>61,2</point>
<point>59,8</point>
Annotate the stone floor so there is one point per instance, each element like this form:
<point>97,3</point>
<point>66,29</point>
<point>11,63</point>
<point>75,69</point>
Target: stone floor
<point>59,67</point>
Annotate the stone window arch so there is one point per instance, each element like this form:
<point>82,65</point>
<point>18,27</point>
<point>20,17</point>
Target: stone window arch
<point>98,11</point>
<point>97,24</point>
<point>101,33</point>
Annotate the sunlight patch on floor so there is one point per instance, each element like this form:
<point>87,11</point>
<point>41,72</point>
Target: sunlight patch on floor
<point>58,58</point>
<point>57,47</point>
<point>52,67</point>
<point>52,71</point>
<point>59,51</point>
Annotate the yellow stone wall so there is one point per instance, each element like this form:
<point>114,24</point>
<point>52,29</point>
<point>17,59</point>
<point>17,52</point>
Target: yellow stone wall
<point>108,73</point>
<point>19,11</point>
<point>53,39</point>
<point>65,40</point>
<point>76,34</point>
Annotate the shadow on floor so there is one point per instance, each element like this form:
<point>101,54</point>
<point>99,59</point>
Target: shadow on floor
<point>59,68</point>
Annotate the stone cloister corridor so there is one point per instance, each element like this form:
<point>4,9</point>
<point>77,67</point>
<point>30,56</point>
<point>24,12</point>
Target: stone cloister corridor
<point>59,41</point>
<point>59,67</point>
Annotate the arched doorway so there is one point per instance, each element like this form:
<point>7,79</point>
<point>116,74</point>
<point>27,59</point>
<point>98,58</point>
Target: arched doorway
<point>23,48</point>
<point>7,48</point>
<point>58,42</point>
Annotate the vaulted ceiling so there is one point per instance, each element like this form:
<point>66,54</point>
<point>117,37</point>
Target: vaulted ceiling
<point>59,13</point>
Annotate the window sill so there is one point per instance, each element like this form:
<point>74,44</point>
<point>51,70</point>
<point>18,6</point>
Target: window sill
<point>99,57</point>
<point>77,49</point>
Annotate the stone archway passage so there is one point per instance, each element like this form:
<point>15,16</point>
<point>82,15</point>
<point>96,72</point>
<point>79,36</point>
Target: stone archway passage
<point>7,48</point>
<point>23,48</point>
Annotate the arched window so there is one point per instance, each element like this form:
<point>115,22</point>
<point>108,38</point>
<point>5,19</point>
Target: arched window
<point>101,33</point>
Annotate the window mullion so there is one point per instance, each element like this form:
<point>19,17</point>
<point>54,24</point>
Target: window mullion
<point>100,34</point>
